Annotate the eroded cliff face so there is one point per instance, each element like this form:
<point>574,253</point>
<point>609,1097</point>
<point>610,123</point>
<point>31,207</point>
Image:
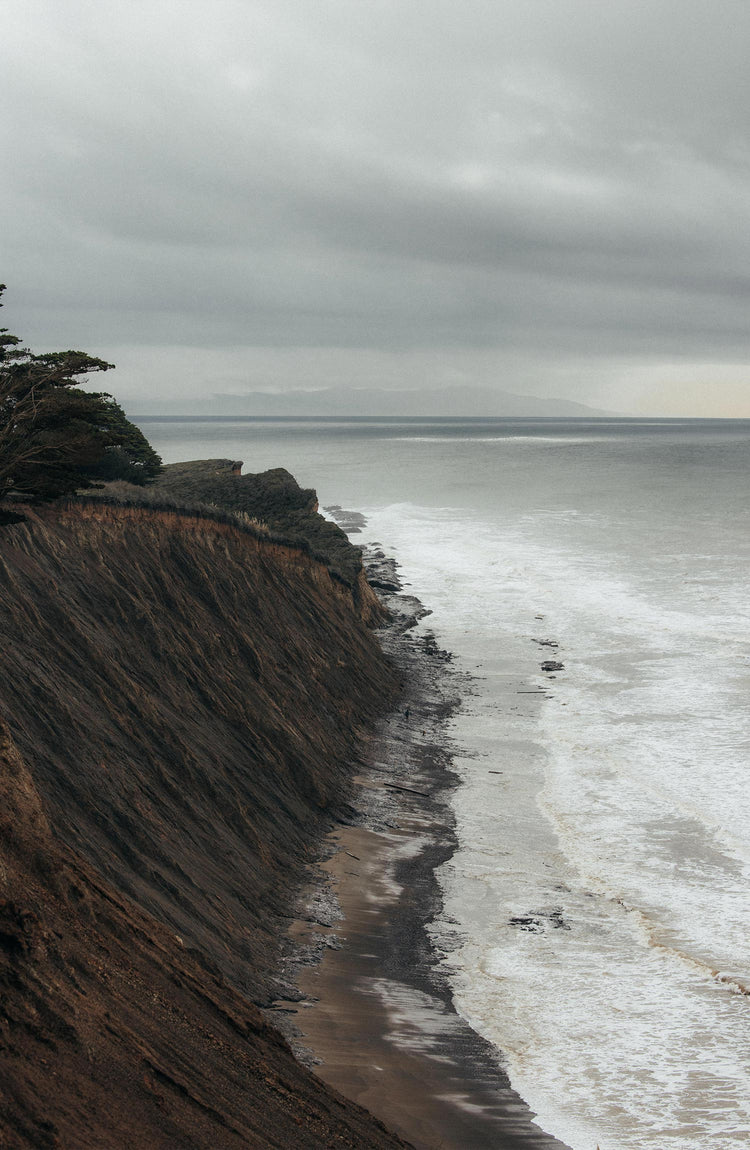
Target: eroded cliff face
<point>182,703</point>
<point>273,498</point>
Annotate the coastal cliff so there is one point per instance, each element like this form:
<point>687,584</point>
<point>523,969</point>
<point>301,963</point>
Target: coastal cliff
<point>181,699</point>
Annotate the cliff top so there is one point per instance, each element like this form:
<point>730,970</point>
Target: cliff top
<point>273,499</point>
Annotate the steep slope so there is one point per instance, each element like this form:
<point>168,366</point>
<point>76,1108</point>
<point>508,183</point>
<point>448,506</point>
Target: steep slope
<point>271,503</point>
<point>112,1034</point>
<point>183,701</point>
<point>273,497</point>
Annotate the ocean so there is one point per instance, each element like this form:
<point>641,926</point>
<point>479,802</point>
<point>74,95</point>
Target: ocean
<point>595,919</point>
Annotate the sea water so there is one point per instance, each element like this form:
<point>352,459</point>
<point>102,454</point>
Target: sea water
<point>601,890</point>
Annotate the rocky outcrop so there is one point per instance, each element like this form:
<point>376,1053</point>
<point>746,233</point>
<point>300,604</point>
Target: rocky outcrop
<point>181,703</point>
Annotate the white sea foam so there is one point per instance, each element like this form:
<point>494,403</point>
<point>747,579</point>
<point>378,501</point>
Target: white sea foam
<point>617,835</point>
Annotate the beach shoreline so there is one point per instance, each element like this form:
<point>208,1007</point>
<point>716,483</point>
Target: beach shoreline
<point>373,1013</point>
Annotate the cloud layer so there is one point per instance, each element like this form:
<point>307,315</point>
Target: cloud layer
<point>550,196</point>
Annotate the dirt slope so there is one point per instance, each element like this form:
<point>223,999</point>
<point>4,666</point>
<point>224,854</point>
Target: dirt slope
<point>182,702</point>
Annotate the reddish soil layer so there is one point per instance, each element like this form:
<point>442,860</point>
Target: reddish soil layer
<point>181,703</point>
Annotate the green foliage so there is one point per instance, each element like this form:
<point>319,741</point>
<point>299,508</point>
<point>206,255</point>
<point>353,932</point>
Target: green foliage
<point>56,439</point>
<point>129,455</point>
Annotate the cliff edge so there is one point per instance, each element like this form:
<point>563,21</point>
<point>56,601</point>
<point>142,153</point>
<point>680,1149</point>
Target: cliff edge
<point>180,702</point>
<point>269,503</point>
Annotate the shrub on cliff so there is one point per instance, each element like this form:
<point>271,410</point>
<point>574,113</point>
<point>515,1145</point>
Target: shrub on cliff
<point>55,438</point>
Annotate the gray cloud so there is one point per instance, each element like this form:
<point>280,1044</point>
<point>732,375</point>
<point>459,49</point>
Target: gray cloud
<point>545,191</point>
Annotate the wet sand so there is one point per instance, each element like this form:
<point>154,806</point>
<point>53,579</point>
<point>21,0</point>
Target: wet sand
<point>376,1017</point>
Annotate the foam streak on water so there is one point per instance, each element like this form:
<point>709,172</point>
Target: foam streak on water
<point>602,881</point>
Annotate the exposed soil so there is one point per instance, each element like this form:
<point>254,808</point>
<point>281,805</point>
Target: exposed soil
<point>182,702</point>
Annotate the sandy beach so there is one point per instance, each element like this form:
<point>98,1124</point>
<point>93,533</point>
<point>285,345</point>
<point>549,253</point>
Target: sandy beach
<point>376,1019</point>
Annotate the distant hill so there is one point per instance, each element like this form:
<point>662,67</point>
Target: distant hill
<point>343,401</point>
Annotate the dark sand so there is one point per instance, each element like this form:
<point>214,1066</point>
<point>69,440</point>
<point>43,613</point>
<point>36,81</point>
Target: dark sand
<point>376,1016</point>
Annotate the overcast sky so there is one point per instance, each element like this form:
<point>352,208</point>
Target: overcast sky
<point>546,196</point>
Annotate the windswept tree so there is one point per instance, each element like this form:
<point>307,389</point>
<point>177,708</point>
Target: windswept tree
<point>128,454</point>
<point>55,438</point>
